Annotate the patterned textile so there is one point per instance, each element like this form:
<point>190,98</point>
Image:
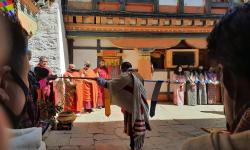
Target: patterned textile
<point>129,93</point>
<point>244,123</point>
<point>213,89</point>
<point>136,133</point>
<point>31,115</point>
<point>179,90</point>
<point>214,93</point>
<point>7,6</point>
<point>202,89</point>
<point>191,88</point>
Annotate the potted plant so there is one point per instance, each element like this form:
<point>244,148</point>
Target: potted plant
<point>67,117</point>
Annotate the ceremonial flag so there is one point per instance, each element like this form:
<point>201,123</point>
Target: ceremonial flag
<point>7,6</point>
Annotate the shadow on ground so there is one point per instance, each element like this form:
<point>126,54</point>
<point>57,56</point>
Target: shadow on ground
<point>214,112</point>
<point>165,135</point>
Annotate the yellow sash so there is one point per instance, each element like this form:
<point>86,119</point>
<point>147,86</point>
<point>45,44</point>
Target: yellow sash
<point>107,102</point>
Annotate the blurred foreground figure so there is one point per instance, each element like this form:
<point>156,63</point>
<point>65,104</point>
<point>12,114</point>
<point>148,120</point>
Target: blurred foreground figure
<point>229,45</point>
<point>14,88</point>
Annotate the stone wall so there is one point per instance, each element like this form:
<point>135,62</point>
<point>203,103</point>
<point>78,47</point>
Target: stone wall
<point>46,42</point>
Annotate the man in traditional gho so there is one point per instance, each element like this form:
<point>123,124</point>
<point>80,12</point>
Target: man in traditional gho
<point>229,45</point>
<point>90,88</point>
<point>128,92</point>
<point>102,72</point>
<point>73,90</point>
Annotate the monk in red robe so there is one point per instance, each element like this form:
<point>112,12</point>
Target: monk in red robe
<point>102,72</point>
<point>90,88</point>
<point>73,90</point>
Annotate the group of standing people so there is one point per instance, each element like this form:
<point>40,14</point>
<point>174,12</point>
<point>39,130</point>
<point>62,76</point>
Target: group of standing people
<point>85,94</point>
<point>197,87</point>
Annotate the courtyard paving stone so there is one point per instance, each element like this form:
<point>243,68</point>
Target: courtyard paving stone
<point>171,127</point>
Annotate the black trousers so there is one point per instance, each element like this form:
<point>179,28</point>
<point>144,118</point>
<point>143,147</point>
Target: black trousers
<point>132,145</point>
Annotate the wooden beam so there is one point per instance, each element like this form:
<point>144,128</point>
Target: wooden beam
<point>138,29</point>
<point>72,34</point>
<point>96,48</point>
<point>74,12</point>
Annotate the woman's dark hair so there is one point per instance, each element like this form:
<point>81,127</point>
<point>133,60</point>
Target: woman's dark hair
<point>125,66</point>
<point>104,67</point>
<point>42,58</point>
<point>229,42</point>
<point>18,43</point>
<point>177,70</point>
<point>201,71</point>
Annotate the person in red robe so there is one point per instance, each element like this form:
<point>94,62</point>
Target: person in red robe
<point>73,90</point>
<point>102,72</point>
<point>90,88</point>
<point>47,91</point>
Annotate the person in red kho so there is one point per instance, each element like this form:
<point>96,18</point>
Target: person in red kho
<point>102,72</point>
<point>73,90</point>
<point>47,91</point>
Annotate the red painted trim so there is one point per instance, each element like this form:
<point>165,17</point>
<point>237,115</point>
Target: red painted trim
<point>139,7</point>
<point>109,6</point>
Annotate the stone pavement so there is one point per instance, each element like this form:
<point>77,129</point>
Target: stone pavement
<point>171,126</point>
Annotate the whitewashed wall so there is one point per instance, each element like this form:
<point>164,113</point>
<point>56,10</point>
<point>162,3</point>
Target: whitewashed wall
<point>168,2</point>
<point>194,2</point>
<point>131,56</point>
<point>81,55</point>
<point>49,40</point>
<point>161,75</point>
<point>85,42</point>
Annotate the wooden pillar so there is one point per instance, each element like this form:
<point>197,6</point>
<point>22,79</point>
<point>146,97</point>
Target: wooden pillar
<point>64,4</point>
<point>70,49</point>
<point>208,7</point>
<point>156,6</point>
<point>94,4</point>
<point>122,5</point>
<point>168,87</point>
<point>98,45</point>
<point>181,6</point>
